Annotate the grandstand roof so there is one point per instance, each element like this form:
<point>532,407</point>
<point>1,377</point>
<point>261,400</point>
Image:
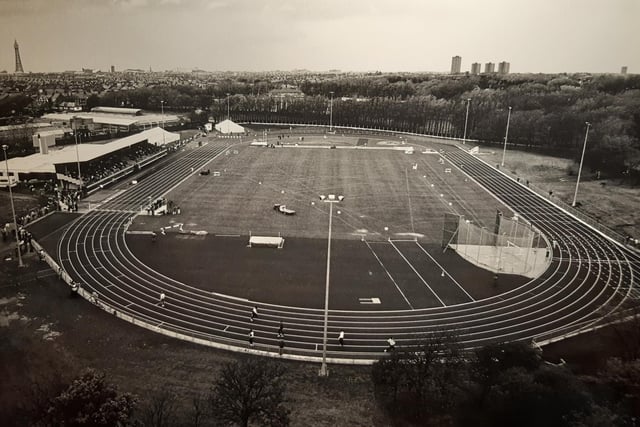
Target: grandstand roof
<point>9,128</point>
<point>108,119</point>
<point>114,119</point>
<point>86,152</point>
<point>49,132</point>
<point>117,110</point>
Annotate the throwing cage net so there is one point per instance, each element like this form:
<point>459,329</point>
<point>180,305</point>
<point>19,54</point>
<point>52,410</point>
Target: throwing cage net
<point>512,246</point>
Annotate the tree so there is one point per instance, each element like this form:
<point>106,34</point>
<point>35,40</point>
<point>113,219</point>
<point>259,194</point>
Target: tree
<point>250,390</point>
<point>92,101</point>
<point>161,408</point>
<point>493,359</point>
<point>424,383</point>
<point>548,396</point>
<point>623,378</point>
<point>90,401</point>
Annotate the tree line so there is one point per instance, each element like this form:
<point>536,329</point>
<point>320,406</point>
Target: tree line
<point>548,112</point>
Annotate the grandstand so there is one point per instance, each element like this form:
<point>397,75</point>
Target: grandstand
<point>62,164</point>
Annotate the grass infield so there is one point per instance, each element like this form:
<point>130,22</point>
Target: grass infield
<point>389,194</point>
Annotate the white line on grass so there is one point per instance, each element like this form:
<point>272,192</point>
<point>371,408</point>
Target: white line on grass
<point>406,176</point>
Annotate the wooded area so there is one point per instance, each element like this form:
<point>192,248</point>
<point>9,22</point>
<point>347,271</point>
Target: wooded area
<point>548,111</point>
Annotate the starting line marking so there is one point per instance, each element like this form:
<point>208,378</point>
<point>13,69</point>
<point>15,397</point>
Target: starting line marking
<point>371,300</point>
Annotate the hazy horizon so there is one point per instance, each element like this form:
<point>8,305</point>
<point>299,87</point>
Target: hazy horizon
<point>541,36</point>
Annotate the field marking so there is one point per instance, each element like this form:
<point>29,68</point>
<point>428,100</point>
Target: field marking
<point>447,273</point>
<point>406,176</point>
<point>388,274</point>
<point>418,274</point>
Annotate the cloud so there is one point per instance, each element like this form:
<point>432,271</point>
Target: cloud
<point>216,4</point>
<point>130,4</point>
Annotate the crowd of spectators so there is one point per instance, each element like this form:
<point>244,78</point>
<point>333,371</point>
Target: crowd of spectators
<point>108,165</point>
<point>24,238</point>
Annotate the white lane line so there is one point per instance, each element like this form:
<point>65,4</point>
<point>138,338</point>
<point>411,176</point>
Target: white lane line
<point>418,274</point>
<point>388,274</point>
<point>229,296</point>
<point>446,272</point>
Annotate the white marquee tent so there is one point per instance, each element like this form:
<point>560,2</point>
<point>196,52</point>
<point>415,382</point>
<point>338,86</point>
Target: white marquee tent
<point>227,126</point>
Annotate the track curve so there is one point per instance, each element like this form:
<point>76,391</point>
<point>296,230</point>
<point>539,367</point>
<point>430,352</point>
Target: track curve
<point>589,278</point>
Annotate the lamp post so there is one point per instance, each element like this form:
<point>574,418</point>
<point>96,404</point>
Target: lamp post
<point>13,211</point>
<point>331,113</point>
<point>228,115</point>
<point>331,199</point>
<point>466,119</point>
<point>75,134</point>
<point>584,147</point>
<point>506,136</point>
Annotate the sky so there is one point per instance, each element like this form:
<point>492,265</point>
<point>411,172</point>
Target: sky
<point>540,36</point>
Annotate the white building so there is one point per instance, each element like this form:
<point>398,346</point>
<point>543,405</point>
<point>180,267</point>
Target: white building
<point>229,127</point>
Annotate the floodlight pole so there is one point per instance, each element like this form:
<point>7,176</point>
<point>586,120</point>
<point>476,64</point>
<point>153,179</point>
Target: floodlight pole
<point>331,113</point>
<point>324,372</point>
<point>228,115</point>
<point>162,111</point>
<point>506,137</point>
<point>75,134</point>
<point>13,210</point>
<point>466,119</point>
<point>584,147</point>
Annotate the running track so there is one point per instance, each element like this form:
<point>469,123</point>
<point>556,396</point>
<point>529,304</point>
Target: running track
<point>589,278</point>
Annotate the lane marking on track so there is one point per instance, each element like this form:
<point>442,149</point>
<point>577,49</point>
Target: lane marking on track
<point>388,274</point>
<point>225,328</point>
<point>229,296</point>
<point>444,270</point>
<point>418,274</point>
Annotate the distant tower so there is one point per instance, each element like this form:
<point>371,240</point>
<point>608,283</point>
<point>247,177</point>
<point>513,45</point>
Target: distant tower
<point>489,68</point>
<point>623,70</point>
<point>456,63</point>
<point>475,68</point>
<point>503,67</point>
<point>19,68</point>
